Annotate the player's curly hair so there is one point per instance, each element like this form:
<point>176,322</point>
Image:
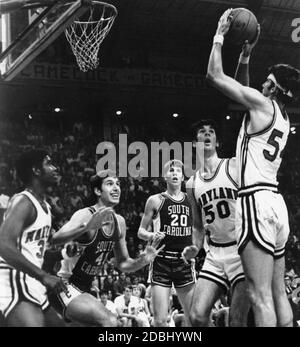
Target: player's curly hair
<point>27,161</point>
<point>288,78</point>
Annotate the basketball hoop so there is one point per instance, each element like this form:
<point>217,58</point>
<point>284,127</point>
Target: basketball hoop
<point>86,35</point>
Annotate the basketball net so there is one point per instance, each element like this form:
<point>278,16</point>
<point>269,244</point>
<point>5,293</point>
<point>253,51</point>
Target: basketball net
<point>85,37</point>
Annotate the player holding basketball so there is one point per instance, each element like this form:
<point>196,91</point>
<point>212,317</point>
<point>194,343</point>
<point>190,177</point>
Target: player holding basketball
<point>213,194</point>
<point>23,237</point>
<point>171,215</point>
<point>262,225</point>
<point>99,231</point>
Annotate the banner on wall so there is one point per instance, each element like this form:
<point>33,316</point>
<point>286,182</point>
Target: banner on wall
<point>145,78</point>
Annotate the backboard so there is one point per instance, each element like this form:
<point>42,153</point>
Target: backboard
<point>27,32</point>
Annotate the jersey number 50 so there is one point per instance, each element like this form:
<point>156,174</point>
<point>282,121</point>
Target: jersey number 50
<point>222,209</point>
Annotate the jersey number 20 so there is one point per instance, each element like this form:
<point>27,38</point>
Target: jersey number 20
<point>181,222</point>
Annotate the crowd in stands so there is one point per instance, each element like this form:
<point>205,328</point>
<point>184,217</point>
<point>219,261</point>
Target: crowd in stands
<point>73,149</point>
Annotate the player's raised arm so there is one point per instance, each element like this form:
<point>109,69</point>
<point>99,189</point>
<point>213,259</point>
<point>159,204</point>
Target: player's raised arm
<point>242,69</point>
<point>249,97</point>
<point>74,228</point>
<point>124,262</point>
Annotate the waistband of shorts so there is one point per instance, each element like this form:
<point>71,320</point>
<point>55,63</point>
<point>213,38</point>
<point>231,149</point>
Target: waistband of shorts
<point>82,284</point>
<point>254,188</point>
<point>216,244</point>
<point>170,255</point>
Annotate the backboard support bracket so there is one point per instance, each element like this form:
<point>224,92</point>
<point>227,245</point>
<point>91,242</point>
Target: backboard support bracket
<point>47,34</point>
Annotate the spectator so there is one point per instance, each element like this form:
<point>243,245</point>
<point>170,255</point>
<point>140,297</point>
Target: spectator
<point>119,285</point>
<point>143,312</point>
<point>107,303</point>
<point>95,291</point>
<point>108,285</point>
<point>127,307</point>
<point>128,280</point>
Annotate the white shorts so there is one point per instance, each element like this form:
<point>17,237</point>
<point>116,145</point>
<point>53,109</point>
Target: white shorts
<point>262,217</point>
<point>61,301</point>
<point>16,286</point>
<point>223,266</point>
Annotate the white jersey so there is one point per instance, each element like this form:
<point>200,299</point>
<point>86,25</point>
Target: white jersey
<point>32,241</point>
<point>258,155</point>
<point>67,266</point>
<point>132,306</point>
<point>216,197</point>
<point>111,307</point>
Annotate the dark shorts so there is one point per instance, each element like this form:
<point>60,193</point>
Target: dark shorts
<point>168,268</point>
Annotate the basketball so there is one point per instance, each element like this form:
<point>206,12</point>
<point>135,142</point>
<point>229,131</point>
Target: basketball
<point>243,26</point>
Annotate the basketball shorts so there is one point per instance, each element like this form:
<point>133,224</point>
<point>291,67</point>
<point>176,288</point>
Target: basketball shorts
<point>168,268</point>
<point>223,266</point>
<point>262,217</point>
<point>16,286</point>
<point>61,301</point>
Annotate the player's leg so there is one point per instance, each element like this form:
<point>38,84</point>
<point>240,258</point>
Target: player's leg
<point>184,279</point>
<point>206,293</point>
<point>160,302</point>
<point>185,296</point>
<point>87,310</point>
<point>25,314</point>
<point>160,273</point>
<point>212,282</point>
<point>240,305</point>
<point>282,306</point>
<point>258,266</point>
<point>52,319</point>
<point>256,227</point>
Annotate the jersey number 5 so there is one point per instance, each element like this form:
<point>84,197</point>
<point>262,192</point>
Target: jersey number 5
<point>272,141</point>
<point>222,209</point>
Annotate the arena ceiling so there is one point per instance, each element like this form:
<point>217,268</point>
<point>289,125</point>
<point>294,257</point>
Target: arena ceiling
<point>187,26</point>
<point>175,35</point>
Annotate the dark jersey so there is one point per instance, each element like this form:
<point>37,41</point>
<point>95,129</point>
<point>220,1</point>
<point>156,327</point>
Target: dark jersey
<point>93,256</point>
<point>174,218</point>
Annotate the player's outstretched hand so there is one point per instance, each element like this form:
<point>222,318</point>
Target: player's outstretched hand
<point>158,236</point>
<point>53,284</point>
<point>151,251</point>
<point>103,218</point>
<point>189,253</point>
<point>224,22</point>
<point>248,47</point>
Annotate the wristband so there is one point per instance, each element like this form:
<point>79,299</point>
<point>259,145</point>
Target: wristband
<point>219,39</point>
<point>243,59</point>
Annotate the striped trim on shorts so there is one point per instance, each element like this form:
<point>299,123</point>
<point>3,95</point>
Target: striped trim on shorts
<point>250,227</point>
